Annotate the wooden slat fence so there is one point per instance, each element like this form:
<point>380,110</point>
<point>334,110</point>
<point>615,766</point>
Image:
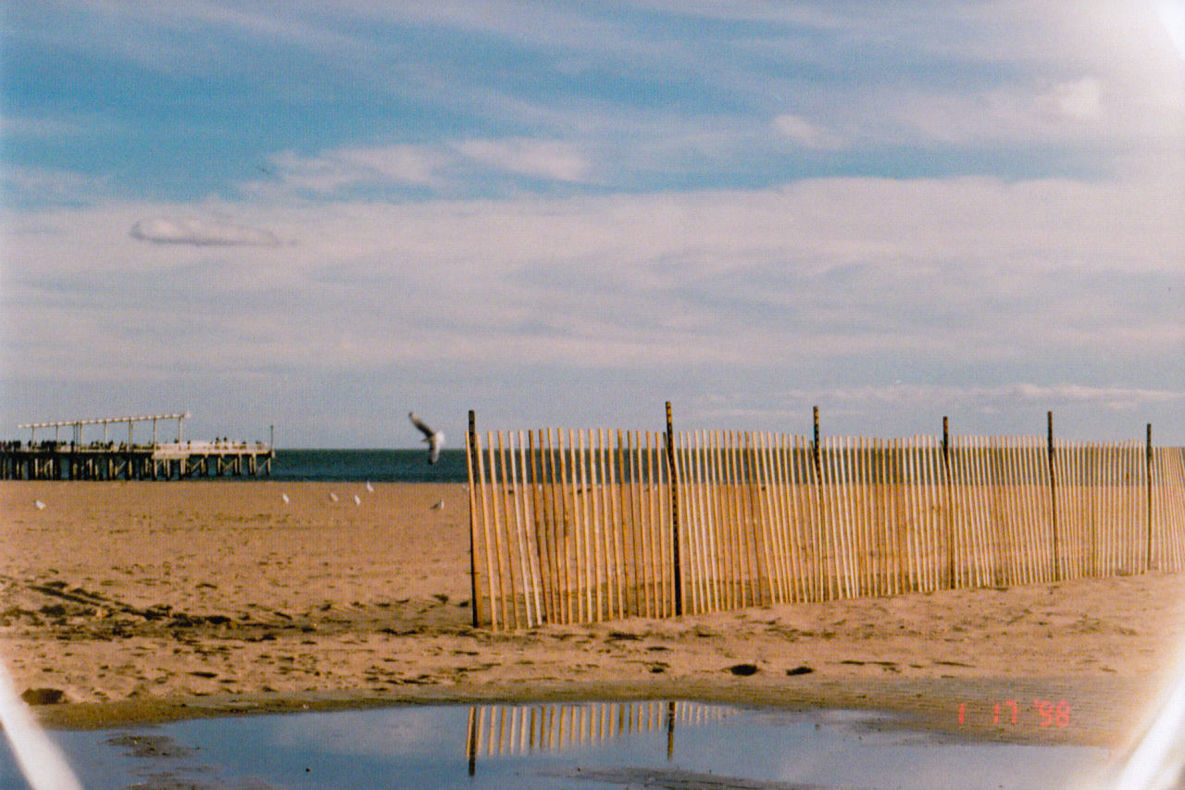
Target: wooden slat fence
<point>578,526</point>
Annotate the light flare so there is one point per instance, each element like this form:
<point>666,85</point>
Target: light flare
<point>40,760</point>
<point>1158,757</point>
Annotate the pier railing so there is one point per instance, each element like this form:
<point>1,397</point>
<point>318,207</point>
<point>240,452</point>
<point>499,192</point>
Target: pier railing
<point>591,525</point>
<point>109,460</point>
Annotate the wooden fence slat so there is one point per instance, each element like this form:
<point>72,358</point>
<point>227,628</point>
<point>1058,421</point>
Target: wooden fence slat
<point>842,522</point>
<point>595,527</point>
<point>961,571</point>
<point>723,551</point>
<point>785,496</point>
<point>773,504</point>
<point>688,575</point>
<point>629,494</point>
<point>545,522</point>
<point>706,522</point>
<point>731,526</point>
<point>651,560</point>
<point>662,521</point>
<point>502,535</point>
<point>580,563</point>
<point>612,527</point>
<point>1107,514</point>
<point>882,530</point>
<point>514,522</point>
<point>576,528</point>
<point>734,520</point>
<point>795,523</point>
<point>911,496</point>
<point>979,505</point>
<point>1016,518</point>
<point>621,542</point>
<point>532,536</point>
<point>760,472</point>
<point>1036,533</point>
<point>1022,531</point>
<point>601,576</point>
<point>756,509</point>
<point>487,545</point>
<point>711,522</point>
<point>688,588</point>
<point>567,518</point>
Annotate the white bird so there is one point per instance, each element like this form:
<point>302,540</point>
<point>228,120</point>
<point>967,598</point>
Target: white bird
<point>285,498</point>
<point>357,501</point>
<point>39,504</point>
<point>439,505</point>
<point>333,496</point>
<point>369,487</point>
<point>434,438</point>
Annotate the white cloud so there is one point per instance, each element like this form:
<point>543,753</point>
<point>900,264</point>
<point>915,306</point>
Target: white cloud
<point>1080,100</point>
<point>807,134</point>
<point>1121,398</point>
<point>444,168</point>
<point>1092,79</point>
<point>406,163</point>
<point>332,171</point>
<point>1071,112</point>
<point>965,269</point>
<point>837,284</point>
<point>548,159</point>
<point>200,232</point>
<point>1081,412</point>
<point>28,126</point>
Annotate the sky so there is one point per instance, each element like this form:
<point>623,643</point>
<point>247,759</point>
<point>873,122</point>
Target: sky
<point>320,216</point>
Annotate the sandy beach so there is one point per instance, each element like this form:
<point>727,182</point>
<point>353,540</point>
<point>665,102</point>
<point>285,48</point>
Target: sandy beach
<point>141,601</point>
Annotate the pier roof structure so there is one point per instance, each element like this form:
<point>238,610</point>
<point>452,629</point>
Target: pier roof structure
<point>105,421</point>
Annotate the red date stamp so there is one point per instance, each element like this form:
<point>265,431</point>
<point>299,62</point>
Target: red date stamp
<point>1043,713</point>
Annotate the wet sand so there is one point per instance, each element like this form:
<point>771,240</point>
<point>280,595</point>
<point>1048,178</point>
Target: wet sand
<point>142,601</point>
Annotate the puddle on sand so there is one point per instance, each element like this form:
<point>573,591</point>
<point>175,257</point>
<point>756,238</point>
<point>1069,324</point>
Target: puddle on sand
<point>585,745</point>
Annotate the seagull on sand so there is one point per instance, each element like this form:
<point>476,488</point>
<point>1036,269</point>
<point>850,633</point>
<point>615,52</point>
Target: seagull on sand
<point>39,504</point>
<point>434,438</point>
<point>357,500</point>
<point>285,498</point>
<point>333,496</point>
<point>369,487</point>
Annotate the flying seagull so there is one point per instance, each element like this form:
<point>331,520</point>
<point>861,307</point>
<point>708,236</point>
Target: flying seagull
<point>434,438</point>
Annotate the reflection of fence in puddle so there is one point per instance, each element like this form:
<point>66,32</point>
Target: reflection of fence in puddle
<point>507,730</point>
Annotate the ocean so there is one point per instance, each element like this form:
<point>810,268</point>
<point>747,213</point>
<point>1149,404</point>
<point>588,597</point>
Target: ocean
<point>379,466</point>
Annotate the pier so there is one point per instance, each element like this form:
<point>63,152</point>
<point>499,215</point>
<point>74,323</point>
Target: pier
<point>106,459</point>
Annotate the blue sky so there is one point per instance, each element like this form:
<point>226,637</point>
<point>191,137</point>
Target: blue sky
<point>322,215</point>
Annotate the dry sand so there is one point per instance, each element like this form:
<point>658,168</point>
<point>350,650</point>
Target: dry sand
<point>155,600</point>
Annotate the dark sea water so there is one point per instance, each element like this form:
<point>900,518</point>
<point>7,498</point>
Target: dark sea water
<point>380,466</point>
